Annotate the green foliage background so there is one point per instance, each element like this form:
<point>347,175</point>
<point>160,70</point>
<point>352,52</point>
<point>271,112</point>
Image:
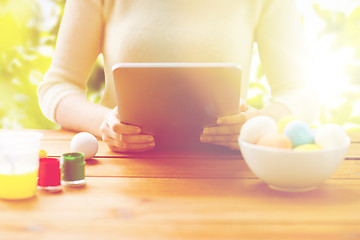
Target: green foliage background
<point>24,57</point>
<point>345,27</point>
<point>28,31</point>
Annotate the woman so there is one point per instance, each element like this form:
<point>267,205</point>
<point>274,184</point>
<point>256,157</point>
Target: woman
<point>174,31</point>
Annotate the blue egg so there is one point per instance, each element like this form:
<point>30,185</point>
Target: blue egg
<point>299,133</point>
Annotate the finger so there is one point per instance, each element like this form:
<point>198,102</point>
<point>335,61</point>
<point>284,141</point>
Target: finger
<point>251,112</point>
<point>231,145</point>
<point>232,119</point>
<point>108,133</point>
<point>122,150</point>
<point>111,119</point>
<point>219,138</point>
<point>129,147</point>
<point>223,130</point>
<point>243,108</point>
<point>115,125</point>
<point>136,138</point>
<point>122,128</point>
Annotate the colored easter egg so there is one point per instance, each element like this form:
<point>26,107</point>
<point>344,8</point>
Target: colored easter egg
<point>275,140</point>
<point>256,127</point>
<point>307,147</point>
<point>299,133</point>
<point>86,143</point>
<point>331,136</point>
<point>284,121</point>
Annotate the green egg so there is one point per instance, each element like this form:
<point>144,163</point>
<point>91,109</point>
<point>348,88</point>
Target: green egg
<point>307,147</point>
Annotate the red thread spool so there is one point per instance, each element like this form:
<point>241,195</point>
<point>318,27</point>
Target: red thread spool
<point>49,175</point>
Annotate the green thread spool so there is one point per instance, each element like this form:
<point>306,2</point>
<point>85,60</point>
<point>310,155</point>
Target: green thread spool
<point>73,169</point>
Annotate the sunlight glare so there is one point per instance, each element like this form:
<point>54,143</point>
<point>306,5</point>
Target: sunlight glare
<point>328,65</point>
<point>328,72</point>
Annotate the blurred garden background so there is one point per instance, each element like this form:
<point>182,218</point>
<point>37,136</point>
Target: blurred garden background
<point>29,28</point>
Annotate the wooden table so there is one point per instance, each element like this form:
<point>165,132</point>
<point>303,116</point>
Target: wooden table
<point>183,196</point>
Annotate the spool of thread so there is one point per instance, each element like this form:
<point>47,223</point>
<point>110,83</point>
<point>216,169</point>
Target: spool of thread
<point>49,175</point>
<point>73,169</point>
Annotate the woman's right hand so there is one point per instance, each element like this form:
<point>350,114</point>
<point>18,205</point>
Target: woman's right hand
<point>122,137</point>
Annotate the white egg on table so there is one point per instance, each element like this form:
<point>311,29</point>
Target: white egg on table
<point>256,127</point>
<point>331,136</point>
<point>86,143</point>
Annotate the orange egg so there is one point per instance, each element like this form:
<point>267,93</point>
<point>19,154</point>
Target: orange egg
<point>275,140</point>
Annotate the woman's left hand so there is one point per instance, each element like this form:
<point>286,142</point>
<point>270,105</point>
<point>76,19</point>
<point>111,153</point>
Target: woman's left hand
<point>227,130</point>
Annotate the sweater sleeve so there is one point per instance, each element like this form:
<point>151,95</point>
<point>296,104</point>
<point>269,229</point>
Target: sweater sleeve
<point>78,45</point>
<point>286,59</point>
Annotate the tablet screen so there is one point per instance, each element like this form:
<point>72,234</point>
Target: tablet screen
<point>175,101</point>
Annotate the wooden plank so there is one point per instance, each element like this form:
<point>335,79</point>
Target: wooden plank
<point>168,168</point>
<point>58,147</point>
<point>57,134</point>
<point>49,134</point>
<point>355,137</point>
<point>56,142</point>
<point>195,200</point>
<point>176,165</point>
<point>354,151</point>
<point>132,208</point>
<point>190,168</point>
<point>66,134</point>
<point>115,230</point>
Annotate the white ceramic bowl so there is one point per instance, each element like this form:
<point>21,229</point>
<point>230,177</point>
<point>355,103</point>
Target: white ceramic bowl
<point>289,170</point>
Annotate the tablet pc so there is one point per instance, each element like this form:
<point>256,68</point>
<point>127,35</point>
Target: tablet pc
<point>175,101</point>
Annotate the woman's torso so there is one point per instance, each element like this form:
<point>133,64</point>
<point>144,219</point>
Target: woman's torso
<point>178,31</point>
